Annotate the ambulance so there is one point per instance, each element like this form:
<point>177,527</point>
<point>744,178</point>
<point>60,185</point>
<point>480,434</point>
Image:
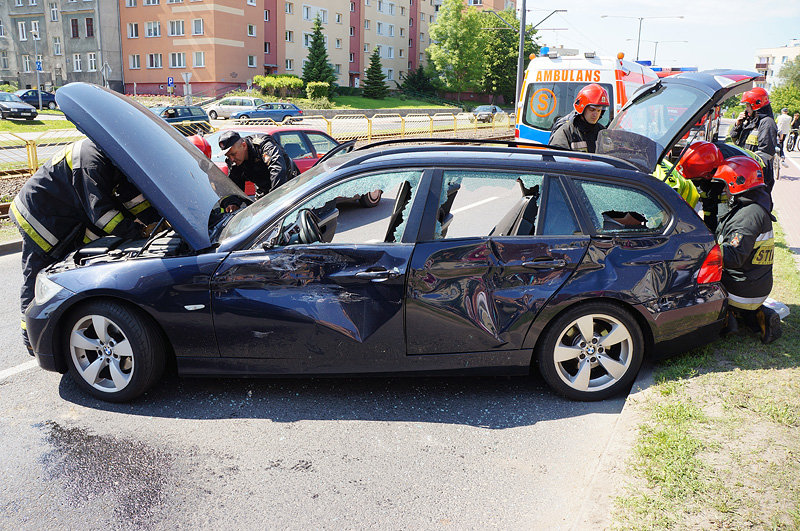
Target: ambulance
<point>553,79</point>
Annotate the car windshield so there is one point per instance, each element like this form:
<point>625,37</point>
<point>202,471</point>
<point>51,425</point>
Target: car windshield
<point>647,126</point>
<point>483,108</point>
<point>5,96</point>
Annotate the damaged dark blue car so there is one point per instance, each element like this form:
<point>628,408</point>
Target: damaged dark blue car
<point>488,258</point>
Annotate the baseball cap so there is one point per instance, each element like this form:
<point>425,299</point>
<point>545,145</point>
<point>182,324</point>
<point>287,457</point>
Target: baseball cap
<point>228,139</point>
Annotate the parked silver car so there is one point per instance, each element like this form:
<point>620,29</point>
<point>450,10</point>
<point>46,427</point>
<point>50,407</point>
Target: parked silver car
<point>230,105</point>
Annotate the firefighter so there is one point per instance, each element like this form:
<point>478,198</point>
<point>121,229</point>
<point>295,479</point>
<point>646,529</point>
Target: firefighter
<point>258,159</point>
<point>745,236</point>
<point>75,198</point>
<point>755,129</point>
<point>697,164</point>
<point>201,143</point>
<point>578,131</point>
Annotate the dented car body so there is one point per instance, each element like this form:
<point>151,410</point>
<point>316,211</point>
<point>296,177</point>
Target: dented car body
<point>490,259</point>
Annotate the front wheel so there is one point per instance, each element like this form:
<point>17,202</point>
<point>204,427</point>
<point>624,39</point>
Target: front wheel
<point>212,115</point>
<point>791,142</point>
<point>51,105</point>
<point>114,353</point>
<point>591,352</point>
<point>244,117</point>
<point>776,166</point>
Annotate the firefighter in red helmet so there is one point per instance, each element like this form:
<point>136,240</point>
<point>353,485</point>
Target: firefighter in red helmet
<point>578,131</point>
<point>755,129</point>
<point>201,143</point>
<point>745,236</point>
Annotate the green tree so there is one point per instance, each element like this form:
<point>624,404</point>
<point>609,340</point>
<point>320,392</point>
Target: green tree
<point>318,67</point>
<point>789,73</point>
<point>457,47</point>
<point>418,81</point>
<point>786,95</point>
<point>374,81</point>
<point>502,50</point>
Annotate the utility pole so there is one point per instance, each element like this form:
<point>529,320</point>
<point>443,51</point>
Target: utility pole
<point>521,59</point>
<point>35,35</point>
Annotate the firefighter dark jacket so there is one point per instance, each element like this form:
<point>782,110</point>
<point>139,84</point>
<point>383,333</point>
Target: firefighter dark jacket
<point>747,241</point>
<point>77,197</point>
<point>576,134</point>
<point>758,133</point>
<point>267,165</point>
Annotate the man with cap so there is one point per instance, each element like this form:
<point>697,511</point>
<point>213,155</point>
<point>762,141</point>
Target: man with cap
<point>258,159</point>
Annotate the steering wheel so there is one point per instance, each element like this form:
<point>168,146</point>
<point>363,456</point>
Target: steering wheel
<point>308,222</point>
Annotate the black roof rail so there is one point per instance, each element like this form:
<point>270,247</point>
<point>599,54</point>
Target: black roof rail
<point>552,150</point>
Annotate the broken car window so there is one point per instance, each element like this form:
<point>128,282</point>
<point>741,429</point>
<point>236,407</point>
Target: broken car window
<point>619,209</point>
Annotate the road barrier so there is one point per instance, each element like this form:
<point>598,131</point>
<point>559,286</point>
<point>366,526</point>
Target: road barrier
<point>22,154</point>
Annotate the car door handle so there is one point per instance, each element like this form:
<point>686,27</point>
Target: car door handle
<point>545,264</point>
<point>378,275</point>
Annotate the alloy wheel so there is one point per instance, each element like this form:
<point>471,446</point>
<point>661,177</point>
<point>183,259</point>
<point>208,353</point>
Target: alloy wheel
<point>101,353</point>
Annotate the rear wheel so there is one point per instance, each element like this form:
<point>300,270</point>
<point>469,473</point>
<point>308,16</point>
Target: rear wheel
<point>114,353</point>
<point>776,166</point>
<point>791,141</point>
<point>244,117</point>
<point>51,105</point>
<point>371,199</point>
<point>591,352</point>
<point>212,115</point>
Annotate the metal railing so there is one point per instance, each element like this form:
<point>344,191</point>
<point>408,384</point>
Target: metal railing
<point>22,154</point>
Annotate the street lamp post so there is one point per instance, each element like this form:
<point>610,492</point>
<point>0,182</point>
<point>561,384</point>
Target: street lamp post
<point>521,58</point>
<point>655,47</point>
<point>640,19</point>
<point>35,35</point>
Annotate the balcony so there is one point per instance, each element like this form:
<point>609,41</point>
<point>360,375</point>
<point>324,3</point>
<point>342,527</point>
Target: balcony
<point>762,66</point>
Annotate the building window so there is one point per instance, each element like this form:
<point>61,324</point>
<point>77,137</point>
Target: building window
<point>306,13</point>
<point>251,61</point>
<point>26,63</point>
<point>266,15</point>
<point>266,48</point>
<point>251,30</point>
<point>390,74</point>
<point>199,59</point>
<point>391,30</point>
<point>251,2</point>
<point>401,32</point>
<point>338,18</point>
<point>402,10</point>
<point>290,64</point>
<point>150,2</point>
<point>56,45</point>
<point>35,30</point>
<point>134,62</point>
<point>289,9</point>
<point>18,3</point>
<point>23,31</point>
<point>4,60</point>
<point>73,28</point>
<point>53,12</point>
<point>366,24</point>
<point>352,6</point>
<point>338,43</point>
<point>153,29</point>
<point>2,29</point>
<point>90,27</point>
<point>91,62</point>
<point>289,36</point>
<point>176,28</point>
<point>174,1</point>
<point>177,60</point>
<point>421,37</point>
<point>410,22</point>
<point>76,62</point>
<point>337,69</point>
<point>352,58</point>
<point>352,31</point>
<point>32,2</point>
<point>133,30</point>
<point>197,26</point>
<point>307,40</point>
<point>131,3</point>
<point>366,47</point>
<point>401,52</point>
<point>379,28</point>
<point>154,60</point>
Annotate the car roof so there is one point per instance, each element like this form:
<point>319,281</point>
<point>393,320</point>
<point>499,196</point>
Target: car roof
<point>270,129</point>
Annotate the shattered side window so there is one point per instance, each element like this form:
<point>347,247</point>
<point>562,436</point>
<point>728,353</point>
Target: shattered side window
<point>487,203</point>
<point>354,223</point>
<point>618,209</point>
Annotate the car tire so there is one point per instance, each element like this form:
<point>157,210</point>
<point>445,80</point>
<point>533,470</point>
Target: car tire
<point>594,368</point>
<point>51,105</point>
<point>119,363</point>
<point>244,117</point>
<point>371,199</point>
<point>212,115</point>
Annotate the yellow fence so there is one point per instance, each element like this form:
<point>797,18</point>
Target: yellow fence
<point>22,154</point>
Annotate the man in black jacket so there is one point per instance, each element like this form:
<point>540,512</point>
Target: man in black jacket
<point>755,129</point>
<point>745,236</point>
<point>73,199</point>
<point>258,159</point>
<point>578,131</point>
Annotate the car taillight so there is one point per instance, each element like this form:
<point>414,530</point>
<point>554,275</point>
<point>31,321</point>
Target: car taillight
<point>711,270</point>
<point>301,111</point>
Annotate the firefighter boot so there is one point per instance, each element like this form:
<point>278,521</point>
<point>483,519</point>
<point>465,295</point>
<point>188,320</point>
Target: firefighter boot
<point>770,324</point>
<point>731,324</point>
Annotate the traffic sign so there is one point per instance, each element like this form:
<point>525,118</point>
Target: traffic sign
<point>187,76</point>
<point>170,82</point>
<point>39,66</point>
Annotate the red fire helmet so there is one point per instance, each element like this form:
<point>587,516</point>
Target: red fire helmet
<point>700,160</point>
<point>740,173</point>
<point>592,94</point>
<point>757,97</point>
<point>201,143</point>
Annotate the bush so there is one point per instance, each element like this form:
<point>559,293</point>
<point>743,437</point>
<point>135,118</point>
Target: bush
<point>319,103</point>
<point>8,88</point>
<point>318,89</point>
<point>349,91</point>
<point>279,85</point>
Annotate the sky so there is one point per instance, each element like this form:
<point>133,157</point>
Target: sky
<point>719,33</point>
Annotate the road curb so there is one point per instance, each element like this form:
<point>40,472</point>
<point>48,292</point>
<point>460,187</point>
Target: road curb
<point>10,247</point>
<point>608,478</point>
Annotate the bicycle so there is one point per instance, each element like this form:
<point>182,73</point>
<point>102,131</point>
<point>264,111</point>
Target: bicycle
<point>791,140</point>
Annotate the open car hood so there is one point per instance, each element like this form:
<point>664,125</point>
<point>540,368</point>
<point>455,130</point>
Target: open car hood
<point>175,176</point>
<point>661,112</point>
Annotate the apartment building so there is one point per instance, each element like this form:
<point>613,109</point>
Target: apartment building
<point>770,60</point>
<point>71,40</point>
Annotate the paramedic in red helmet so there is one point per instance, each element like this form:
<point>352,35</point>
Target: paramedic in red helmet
<point>578,131</point>
<point>755,129</point>
<point>745,236</point>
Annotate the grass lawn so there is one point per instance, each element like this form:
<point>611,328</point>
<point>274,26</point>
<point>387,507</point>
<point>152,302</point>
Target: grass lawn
<point>358,102</point>
<point>719,446</point>
<point>8,231</point>
<point>33,126</point>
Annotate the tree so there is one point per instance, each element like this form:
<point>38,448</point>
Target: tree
<point>418,81</point>
<point>502,50</point>
<point>786,95</point>
<point>374,83</point>
<point>457,47</point>
<point>789,74</point>
<point>317,67</point>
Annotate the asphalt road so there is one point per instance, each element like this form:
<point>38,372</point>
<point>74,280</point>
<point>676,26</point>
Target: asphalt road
<point>388,453</point>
